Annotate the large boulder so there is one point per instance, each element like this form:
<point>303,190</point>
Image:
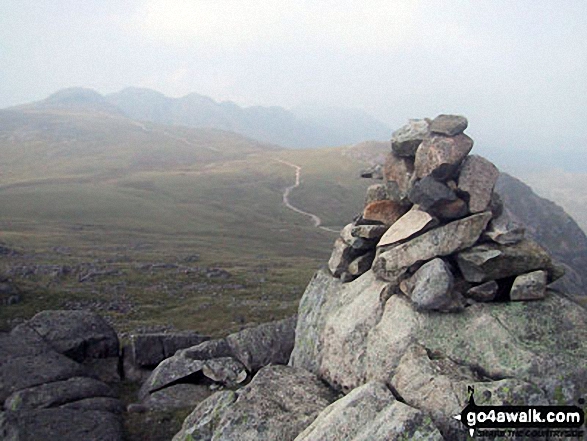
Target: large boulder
<point>60,424</point>
<point>78,335</point>
<point>370,412</point>
<point>528,341</point>
<point>82,336</point>
<point>279,403</point>
<point>58,393</point>
<point>227,361</point>
<point>148,350</point>
<point>28,362</point>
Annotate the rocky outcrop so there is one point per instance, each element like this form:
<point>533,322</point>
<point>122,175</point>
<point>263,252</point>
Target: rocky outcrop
<point>370,412</point>
<point>228,361</point>
<point>457,296</point>
<point>80,335</point>
<point>432,290</point>
<point>50,379</point>
<point>279,403</point>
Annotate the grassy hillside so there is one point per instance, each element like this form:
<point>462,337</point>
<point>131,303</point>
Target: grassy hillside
<point>106,213</point>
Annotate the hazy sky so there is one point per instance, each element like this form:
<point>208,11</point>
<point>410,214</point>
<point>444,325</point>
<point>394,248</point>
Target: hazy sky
<point>516,68</point>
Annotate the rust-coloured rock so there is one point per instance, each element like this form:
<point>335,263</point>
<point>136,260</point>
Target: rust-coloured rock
<point>384,211</point>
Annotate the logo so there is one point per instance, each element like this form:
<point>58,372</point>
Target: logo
<point>548,421</point>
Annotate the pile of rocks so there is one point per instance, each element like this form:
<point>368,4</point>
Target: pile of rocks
<point>436,229</point>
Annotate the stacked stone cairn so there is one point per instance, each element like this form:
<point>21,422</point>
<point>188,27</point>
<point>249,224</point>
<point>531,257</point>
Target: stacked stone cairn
<point>436,229</point>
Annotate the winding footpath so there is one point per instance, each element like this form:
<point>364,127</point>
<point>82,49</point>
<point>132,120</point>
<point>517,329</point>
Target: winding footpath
<point>315,219</point>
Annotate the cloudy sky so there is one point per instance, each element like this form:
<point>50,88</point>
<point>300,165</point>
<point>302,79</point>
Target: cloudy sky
<point>516,68</point>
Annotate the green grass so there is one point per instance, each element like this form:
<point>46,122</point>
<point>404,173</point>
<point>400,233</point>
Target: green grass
<point>98,193</point>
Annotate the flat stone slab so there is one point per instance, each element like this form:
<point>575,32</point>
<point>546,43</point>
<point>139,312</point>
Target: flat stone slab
<point>441,241</point>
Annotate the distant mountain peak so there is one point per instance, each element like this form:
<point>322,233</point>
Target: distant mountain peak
<point>78,98</point>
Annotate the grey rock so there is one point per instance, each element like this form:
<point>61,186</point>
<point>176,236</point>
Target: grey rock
<point>361,264</point>
<point>429,193</point>
<point>432,288</point>
<point>279,403</point>
<point>348,416</point>
<point>492,261</point>
<point>342,255</point>
<point>405,140</point>
<point>439,387</point>
<point>60,424</point>
<point>441,241</point>
<point>485,292</point>
<point>373,172</point>
<point>105,369</point>
<point>177,396</point>
<point>354,242</point>
<point>150,349</point>
<point>207,350</point>
<point>28,362</point>
<point>440,156</point>
<point>225,370</point>
<point>57,393</point>
<point>543,343</point>
<point>531,286</point>
<point>504,230</point>
<point>369,231</point>
<point>410,224</point>
<point>477,179</point>
<point>398,172</point>
<point>103,404</point>
<point>398,422</point>
<point>227,360</point>
<point>75,334</point>
<point>449,125</point>
<point>268,343</point>
<point>344,331</point>
<point>201,423</point>
<point>320,299</point>
<point>376,192</point>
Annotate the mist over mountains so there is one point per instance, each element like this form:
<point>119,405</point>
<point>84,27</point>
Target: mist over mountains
<point>303,127</point>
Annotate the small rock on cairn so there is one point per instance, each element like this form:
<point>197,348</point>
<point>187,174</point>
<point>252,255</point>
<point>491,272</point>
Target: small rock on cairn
<point>437,231</point>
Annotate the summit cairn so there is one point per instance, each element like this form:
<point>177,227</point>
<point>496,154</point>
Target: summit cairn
<point>437,231</point>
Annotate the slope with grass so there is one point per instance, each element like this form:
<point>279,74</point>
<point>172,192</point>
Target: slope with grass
<point>91,195</point>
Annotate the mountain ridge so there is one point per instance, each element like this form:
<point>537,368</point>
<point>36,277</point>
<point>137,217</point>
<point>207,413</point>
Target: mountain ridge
<point>301,127</point>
